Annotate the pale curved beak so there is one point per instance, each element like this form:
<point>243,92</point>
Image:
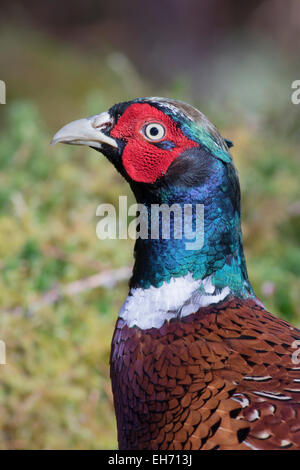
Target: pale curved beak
<point>88,131</point>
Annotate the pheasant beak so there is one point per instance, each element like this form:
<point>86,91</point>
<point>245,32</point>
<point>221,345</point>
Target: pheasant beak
<point>91,131</point>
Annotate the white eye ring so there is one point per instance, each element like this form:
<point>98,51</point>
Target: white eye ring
<point>154,131</point>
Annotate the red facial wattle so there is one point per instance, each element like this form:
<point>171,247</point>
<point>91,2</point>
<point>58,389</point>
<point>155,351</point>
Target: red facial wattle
<point>144,161</point>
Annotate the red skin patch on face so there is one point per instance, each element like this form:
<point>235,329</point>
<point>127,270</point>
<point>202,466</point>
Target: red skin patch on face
<point>142,160</point>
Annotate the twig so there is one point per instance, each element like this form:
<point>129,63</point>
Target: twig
<point>107,278</point>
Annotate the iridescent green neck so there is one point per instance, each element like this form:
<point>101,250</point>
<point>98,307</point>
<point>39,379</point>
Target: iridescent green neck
<point>221,257</point>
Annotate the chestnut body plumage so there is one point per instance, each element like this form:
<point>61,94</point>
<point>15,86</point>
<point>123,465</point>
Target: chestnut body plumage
<point>218,379</point>
<point>197,362</point>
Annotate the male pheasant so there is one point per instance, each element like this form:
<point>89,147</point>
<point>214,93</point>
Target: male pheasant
<point>197,362</point>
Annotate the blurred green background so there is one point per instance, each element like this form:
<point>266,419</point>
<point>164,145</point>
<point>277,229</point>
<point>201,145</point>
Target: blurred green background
<point>65,60</point>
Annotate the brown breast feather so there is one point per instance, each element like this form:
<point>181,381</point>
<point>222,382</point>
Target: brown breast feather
<point>222,378</point>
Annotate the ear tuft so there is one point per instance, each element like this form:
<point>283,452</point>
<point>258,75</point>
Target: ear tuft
<point>229,143</point>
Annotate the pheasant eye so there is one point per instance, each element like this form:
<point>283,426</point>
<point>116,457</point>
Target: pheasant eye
<point>154,131</point>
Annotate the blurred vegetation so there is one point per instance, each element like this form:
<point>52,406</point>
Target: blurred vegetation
<point>55,389</point>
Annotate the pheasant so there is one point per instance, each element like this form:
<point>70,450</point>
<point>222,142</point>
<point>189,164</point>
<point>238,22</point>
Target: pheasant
<point>197,362</point>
